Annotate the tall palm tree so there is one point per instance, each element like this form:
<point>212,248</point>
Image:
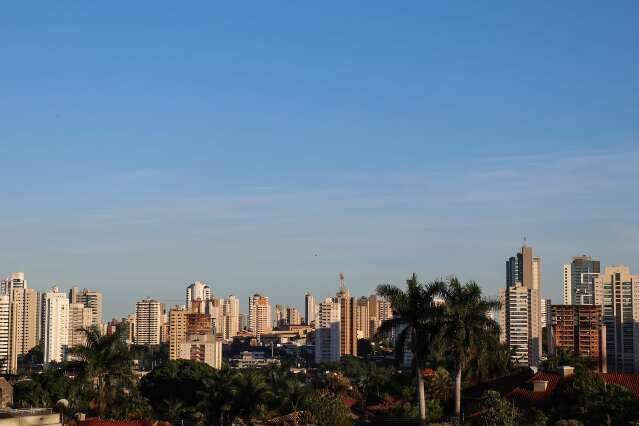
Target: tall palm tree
<point>104,362</point>
<point>466,326</point>
<point>416,321</point>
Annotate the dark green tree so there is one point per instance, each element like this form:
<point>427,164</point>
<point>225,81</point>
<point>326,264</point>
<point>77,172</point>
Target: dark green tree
<point>252,394</point>
<point>495,410</point>
<point>217,396</point>
<point>176,381</point>
<point>327,409</point>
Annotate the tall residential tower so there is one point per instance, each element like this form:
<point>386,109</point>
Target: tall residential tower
<point>520,315</point>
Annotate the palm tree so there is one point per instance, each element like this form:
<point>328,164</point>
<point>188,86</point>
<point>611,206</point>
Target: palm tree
<point>416,319</point>
<point>218,395</point>
<point>466,326</point>
<point>293,393</point>
<point>104,362</point>
<point>252,394</point>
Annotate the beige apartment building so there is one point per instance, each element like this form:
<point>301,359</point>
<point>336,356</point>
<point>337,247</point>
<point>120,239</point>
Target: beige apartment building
<point>617,291</point>
<point>520,313</point>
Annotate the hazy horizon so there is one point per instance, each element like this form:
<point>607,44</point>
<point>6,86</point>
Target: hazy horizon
<point>267,147</point>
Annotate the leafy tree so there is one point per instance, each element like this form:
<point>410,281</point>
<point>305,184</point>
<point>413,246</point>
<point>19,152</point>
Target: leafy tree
<point>497,411</point>
<point>587,398</point>
<point>364,348</point>
<point>176,380</point>
<point>416,322</point>
<point>327,409</point>
<point>46,388</point>
<point>466,327</point>
<point>439,384</point>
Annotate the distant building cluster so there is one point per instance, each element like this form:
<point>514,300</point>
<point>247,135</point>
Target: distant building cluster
<point>599,317</point>
<point>53,319</point>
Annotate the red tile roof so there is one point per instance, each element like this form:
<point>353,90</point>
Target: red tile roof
<point>628,381</point>
<point>525,392</point>
<point>98,422</point>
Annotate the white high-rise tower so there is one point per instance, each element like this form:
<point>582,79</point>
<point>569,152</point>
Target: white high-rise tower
<point>198,291</point>
<point>55,326</point>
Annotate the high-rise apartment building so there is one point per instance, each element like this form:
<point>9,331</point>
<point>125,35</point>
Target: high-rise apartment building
<point>148,322</point>
<point>231,317</point>
<point>80,317</point>
<point>347,320</point>
<point>130,325</point>
<point>215,310</point>
<point>617,290</point>
<point>379,310</point>
<point>293,316</point>
<point>280,315</point>
<point>362,318</point>
<point>327,332</point>
<point>205,348</point>
<point>90,299</point>
<point>243,321</point>
<point>24,323</point>
<point>21,329</point>
<point>546,312</point>
<point>177,330</point>
<point>15,280</point>
<point>198,291</point>
<point>259,315</point>
<point>579,278</point>
<point>55,325</point>
<point>578,329</point>
<point>5,332</point>
<point>520,314</point>
<point>310,309</point>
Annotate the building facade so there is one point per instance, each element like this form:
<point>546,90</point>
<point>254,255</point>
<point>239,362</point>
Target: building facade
<point>362,318</point>
<point>520,313</point>
<point>148,322</point>
<point>293,316</point>
<point>348,332</point>
<point>327,332</point>
<point>55,325</point>
<point>90,299</point>
<point>311,309</point>
<point>205,348</point>
<point>259,315</point>
<point>231,317</point>
<point>578,329</point>
<point>617,290</point>
<point>579,278</point>
<point>198,291</point>
<point>80,317</point>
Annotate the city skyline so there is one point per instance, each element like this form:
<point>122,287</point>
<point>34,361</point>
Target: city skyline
<point>553,290</point>
<point>253,149</point>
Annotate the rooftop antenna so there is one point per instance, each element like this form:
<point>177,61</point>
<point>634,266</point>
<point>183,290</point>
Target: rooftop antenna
<point>341,281</point>
<point>525,240</point>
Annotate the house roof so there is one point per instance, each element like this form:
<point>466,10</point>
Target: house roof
<point>526,393</point>
<point>628,381</point>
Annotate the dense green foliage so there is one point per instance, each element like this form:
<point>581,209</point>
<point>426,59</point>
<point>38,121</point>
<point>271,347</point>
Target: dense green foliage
<point>498,411</point>
<point>585,397</point>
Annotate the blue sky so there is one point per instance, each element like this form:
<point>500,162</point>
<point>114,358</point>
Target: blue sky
<point>145,145</point>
